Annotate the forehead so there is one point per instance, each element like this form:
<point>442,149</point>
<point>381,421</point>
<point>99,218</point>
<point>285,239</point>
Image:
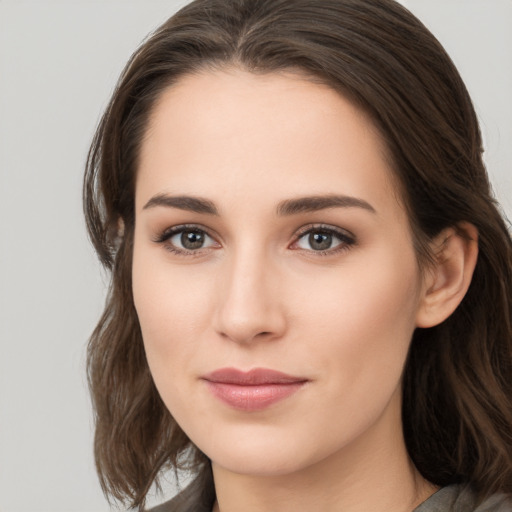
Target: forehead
<point>235,134</point>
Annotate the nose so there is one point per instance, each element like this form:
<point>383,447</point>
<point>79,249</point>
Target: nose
<point>250,303</point>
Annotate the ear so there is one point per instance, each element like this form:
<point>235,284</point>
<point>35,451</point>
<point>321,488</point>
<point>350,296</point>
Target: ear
<point>447,281</point>
<point>120,227</point>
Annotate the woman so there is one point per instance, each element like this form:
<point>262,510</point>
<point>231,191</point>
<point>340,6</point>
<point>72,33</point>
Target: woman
<point>310,305</point>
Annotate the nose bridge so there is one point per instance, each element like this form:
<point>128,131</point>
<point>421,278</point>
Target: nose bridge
<point>249,306</point>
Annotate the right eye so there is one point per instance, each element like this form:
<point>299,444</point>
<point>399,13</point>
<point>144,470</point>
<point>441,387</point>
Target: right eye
<point>186,240</point>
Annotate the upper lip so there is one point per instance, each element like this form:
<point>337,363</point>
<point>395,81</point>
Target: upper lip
<point>254,377</point>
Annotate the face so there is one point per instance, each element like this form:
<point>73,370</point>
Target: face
<point>274,274</point>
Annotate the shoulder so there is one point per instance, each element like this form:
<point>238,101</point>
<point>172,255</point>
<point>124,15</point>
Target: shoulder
<point>181,503</point>
<point>496,503</point>
<point>174,505</point>
<point>460,498</point>
<point>196,497</point>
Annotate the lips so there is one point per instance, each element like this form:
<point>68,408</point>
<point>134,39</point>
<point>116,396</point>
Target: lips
<point>254,390</point>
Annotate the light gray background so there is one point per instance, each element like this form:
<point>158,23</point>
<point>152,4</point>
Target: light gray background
<point>59,61</point>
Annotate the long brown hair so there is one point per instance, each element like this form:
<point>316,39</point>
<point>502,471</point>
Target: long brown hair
<point>457,402</point>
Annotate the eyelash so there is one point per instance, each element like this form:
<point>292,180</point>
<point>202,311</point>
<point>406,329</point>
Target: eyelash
<point>164,239</point>
<point>346,239</point>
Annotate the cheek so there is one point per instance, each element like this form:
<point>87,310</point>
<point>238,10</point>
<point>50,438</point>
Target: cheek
<point>171,305</point>
<point>357,332</point>
<point>363,318</point>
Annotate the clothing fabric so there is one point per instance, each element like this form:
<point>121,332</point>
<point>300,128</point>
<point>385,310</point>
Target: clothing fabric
<point>453,498</point>
<point>458,498</point>
<point>199,496</point>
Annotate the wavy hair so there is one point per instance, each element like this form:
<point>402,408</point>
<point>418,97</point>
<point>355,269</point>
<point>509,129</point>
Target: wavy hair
<point>457,398</point>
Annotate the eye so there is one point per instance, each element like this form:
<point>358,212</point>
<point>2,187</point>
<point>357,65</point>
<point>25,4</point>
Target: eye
<point>186,239</point>
<point>190,240</point>
<point>324,240</point>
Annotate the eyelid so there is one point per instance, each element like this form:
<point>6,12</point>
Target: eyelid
<point>346,237</point>
<point>318,226</point>
<point>172,230</point>
<point>165,236</point>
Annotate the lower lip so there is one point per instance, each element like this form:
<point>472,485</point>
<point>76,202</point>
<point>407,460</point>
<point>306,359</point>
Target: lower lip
<point>255,397</point>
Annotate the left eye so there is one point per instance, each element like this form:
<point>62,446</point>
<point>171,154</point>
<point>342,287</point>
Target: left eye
<point>322,240</point>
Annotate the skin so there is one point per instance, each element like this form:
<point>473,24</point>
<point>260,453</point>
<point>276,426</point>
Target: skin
<point>258,294</point>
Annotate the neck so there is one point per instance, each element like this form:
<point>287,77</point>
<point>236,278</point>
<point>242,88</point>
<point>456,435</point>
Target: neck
<point>372,473</point>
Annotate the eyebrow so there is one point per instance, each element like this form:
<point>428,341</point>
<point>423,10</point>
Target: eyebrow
<point>188,203</point>
<point>284,208</point>
<point>315,203</point>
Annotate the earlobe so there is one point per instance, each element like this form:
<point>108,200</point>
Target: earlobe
<point>447,281</point>
<point>120,227</point>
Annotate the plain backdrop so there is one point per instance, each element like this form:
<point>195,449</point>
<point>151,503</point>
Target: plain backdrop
<point>59,61</point>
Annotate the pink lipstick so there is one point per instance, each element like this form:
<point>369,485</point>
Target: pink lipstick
<point>254,390</point>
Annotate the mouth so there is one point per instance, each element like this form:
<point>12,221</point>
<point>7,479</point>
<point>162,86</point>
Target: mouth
<point>254,390</point>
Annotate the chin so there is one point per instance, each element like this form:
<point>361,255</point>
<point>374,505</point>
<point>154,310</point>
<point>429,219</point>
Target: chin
<point>264,454</point>
<point>262,466</point>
